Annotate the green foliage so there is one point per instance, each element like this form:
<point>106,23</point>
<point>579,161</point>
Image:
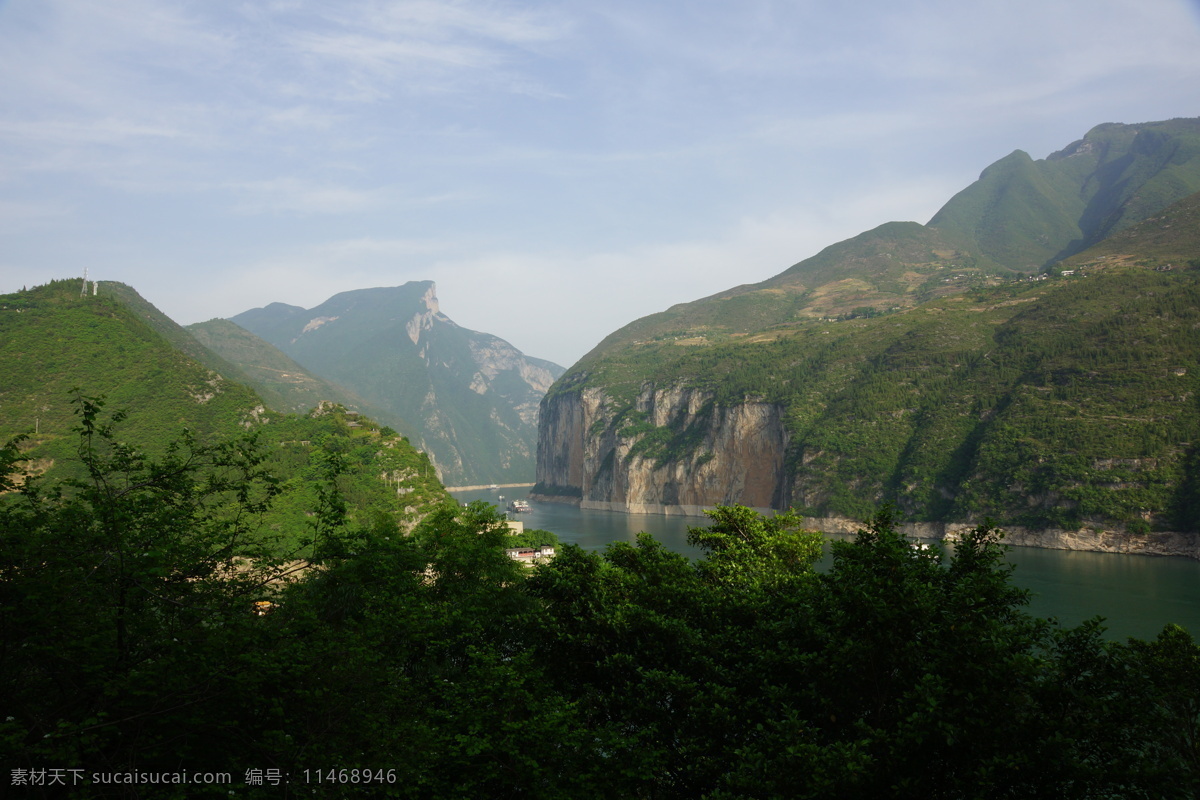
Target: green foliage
<point>134,641</point>
<point>533,537</point>
<point>123,591</point>
<point>741,545</point>
<point>375,472</point>
<point>1040,403</point>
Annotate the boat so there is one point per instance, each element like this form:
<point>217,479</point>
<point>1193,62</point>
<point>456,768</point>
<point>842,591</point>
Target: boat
<point>519,507</point>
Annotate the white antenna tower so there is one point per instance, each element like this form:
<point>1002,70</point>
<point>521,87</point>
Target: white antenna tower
<point>83,289</point>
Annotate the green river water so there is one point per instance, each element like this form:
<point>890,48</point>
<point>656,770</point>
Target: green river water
<point>1136,595</point>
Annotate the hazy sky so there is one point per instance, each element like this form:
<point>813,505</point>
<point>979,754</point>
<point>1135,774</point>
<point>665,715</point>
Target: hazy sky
<point>559,168</point>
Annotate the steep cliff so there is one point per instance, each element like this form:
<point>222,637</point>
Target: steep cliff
<point>672,450</point>
<point>468,398</point>
<point>1063,403</point>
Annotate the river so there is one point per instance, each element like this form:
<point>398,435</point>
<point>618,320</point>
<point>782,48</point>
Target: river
<point>1136,595</point>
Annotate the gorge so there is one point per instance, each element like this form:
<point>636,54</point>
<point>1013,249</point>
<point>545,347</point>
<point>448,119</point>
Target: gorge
<point>1038,369</point>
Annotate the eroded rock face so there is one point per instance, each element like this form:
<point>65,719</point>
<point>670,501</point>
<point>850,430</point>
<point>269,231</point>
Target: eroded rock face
<point>588,449</point>
<point>588,453</point>
<point>423,319</point>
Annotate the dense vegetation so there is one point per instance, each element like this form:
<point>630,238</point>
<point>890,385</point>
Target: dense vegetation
<point>54,338</point>
<point>1050,402</point>
<point>912,368</point>
<point>147,629</point>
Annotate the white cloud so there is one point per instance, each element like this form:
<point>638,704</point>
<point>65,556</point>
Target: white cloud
<point>368,51</point>
<point>558,168</point>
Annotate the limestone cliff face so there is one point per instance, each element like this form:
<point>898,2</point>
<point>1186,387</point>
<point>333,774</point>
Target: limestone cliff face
<point>468,398</point>
<point>590,452</point>
<point>671,451</point>
<point>423,318</point>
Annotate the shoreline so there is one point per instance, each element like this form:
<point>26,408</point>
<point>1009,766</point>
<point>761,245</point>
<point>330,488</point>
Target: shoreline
<point>487,486</point>
<point>1096,538</point>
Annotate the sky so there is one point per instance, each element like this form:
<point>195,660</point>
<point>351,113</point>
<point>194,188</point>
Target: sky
<point>559,168</point>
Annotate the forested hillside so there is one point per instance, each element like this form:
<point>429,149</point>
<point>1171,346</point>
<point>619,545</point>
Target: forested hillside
<point>59,345</point>
<point>904,365</point>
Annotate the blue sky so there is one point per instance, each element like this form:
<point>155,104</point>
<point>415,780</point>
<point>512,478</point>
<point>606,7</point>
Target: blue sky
<point>559,168</point>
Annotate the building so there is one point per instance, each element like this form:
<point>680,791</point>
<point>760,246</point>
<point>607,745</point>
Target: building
<point>531,555</point>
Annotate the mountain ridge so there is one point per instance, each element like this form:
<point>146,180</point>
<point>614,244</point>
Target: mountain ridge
<point>469,398</point>
<point>59,345</point>
<point>908,365</point>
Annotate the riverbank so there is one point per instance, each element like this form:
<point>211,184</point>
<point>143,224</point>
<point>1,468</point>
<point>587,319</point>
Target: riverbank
<point>488,486</point>
<point>1096,537</point>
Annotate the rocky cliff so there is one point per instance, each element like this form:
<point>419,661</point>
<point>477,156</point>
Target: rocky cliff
<point>956,370</point>
<point>589,453</point>
<point>671,450</point>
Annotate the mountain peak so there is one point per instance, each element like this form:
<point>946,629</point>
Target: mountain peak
<point>470,398</point>
<point>423,319</point>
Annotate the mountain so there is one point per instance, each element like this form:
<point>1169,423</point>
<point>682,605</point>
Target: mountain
<point>1023,214</point>
<point>56,339</point>
<point>471,397</point>
<point>283,384</point>
<point>919,365</point>
<point>1018,218</point>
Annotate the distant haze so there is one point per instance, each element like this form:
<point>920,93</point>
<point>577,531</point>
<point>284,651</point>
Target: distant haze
<point>559,169</point>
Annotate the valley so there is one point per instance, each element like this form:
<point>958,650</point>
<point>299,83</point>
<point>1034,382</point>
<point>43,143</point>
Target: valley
<point>954,370</point>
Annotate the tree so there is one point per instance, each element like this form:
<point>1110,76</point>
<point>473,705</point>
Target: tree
<point>742,545</point>
<point>127,594</point>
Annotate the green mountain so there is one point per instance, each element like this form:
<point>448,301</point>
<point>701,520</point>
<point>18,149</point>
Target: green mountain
<point>283,384</point>
<point>472,396</point>
<point>1023,214</point>
<point>55,339</point>
<point>1019,217</point>
<point>913,364</point>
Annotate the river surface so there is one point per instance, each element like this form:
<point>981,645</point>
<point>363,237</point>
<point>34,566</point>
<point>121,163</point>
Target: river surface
<point>1136,595</point>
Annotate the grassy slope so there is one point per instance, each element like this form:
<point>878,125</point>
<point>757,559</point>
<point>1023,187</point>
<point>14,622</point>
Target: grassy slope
<point>1023,214</point>
<point>52,340</point>
<point>283,384</point>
